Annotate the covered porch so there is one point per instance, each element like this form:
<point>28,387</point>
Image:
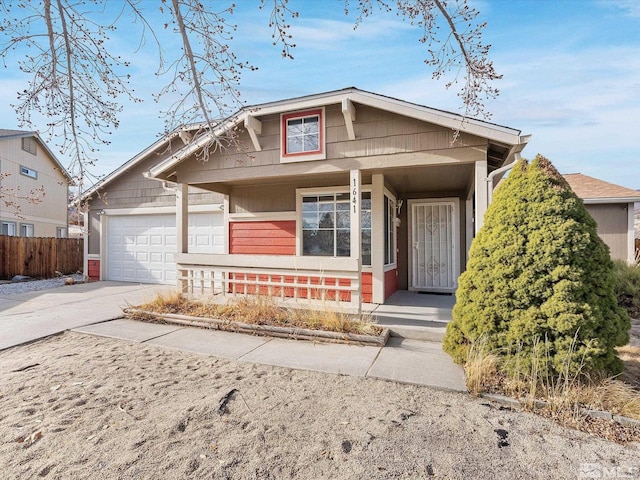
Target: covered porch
<point>414,224</point>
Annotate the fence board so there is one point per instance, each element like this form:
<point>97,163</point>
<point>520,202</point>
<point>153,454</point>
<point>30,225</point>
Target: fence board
<point>40,257</point>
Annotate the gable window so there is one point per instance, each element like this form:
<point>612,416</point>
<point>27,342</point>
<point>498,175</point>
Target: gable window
<point>326,225</point>
<point>28,172</point>
<point>303,136</point>
<point>29,145</point>
<point>9,229</point>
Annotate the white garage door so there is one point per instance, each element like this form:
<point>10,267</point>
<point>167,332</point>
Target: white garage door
<point>141,248</point>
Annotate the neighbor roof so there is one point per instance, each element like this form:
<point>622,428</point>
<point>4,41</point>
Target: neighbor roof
<point>6,134</point>
<point>496,133</point>
<point>594,190</point>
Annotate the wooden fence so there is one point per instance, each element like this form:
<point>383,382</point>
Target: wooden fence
<point>39,257</point>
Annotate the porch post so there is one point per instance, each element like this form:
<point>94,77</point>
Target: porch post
<point>182,230</point>
<point>355,182</point>
<point>481,193</point>
<point>377,237</point>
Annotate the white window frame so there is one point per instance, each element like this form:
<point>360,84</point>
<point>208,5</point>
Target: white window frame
<point>390,221</point>
<point>304,192</point>
<point>319,154</point>
<point>8,225</point>
<point>62,232</point>
<point>29,228</point>
<point>28,172</point>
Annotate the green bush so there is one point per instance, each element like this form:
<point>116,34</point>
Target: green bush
<point>627,286</point>
<point>538,274</point>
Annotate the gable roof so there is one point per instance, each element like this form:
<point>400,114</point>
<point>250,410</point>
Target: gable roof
<point>140,157</point>
<point>499,134</point>
<point>6,134</point>
<point>594,190</point>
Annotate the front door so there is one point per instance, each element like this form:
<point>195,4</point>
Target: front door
<point>434,241</point>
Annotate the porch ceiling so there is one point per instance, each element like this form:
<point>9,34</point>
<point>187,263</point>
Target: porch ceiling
<point>439,178</point>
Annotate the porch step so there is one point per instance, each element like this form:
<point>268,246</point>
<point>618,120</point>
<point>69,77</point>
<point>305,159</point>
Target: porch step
<point>425,333</point>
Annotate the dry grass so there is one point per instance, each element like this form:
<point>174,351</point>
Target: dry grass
<point>263,310</point>
<point>568,396</point>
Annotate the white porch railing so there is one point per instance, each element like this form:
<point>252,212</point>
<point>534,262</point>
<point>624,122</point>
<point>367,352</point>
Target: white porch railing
<point>301,278</point>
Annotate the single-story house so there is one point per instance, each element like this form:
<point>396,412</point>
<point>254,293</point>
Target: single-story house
<point>346,191</point>
<point>274,212</point>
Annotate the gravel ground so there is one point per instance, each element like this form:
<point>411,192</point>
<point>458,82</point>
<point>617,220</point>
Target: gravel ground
<point>36,285</point>
<point>76,406</point>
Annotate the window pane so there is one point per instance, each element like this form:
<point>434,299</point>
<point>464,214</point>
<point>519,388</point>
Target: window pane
<point>311,143</point>
<point>317,242</point>
<point>294,144</point>
<point>343,219</point>
<point>294,127</point>
<point>343,247</point>
<point>326,220</point>
<point>311,125</point>
<point>310,220</point>
<point>366,220</point>
<point>366,247</point>
<point>309,204</point>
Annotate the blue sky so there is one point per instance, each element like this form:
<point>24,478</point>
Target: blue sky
<point>571,75</point>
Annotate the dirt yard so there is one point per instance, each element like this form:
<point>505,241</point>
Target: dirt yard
<point>78,406</point>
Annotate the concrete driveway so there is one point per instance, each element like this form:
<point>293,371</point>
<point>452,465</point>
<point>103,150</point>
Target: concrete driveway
<point>25,317</point>
<point>96,309</point>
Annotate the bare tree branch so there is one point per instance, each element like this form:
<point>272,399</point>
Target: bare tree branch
<point>78,84</point>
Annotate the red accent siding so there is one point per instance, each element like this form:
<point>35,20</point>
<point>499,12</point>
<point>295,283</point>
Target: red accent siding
<point>390,282</point>
<point>263,238</point>
<point>93,268</point>
<point>367,287</point>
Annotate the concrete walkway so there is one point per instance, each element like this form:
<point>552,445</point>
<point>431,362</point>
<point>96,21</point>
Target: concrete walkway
<point>96,309</point>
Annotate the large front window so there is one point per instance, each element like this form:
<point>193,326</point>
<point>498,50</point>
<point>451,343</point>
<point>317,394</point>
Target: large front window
<point>326,225</point>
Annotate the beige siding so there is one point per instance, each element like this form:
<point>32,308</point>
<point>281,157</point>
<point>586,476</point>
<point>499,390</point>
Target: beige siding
<point>132,190</point>
<point>613,227</point>
<point>378,133</point>
<point>47,215</point>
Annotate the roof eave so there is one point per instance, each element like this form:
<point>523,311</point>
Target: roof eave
<point>601,200</point>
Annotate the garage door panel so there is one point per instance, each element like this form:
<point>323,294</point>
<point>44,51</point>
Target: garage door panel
<point>141,248</point>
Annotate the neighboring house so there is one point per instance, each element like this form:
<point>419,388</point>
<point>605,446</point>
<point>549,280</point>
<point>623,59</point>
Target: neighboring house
<point>612,207</point>
<point>345,191</point>
<point>27,164</point>
<point>131,223</point>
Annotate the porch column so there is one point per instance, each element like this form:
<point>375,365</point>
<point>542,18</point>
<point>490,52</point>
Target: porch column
<point>225,213</point>
<point>355,182</point>
<point>182,231</point>
<point>377,236</point>
<point>631,238</point>
<point>482,198</point>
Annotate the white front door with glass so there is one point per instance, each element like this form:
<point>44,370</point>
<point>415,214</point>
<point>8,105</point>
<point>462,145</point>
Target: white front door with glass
<point>434,245</point>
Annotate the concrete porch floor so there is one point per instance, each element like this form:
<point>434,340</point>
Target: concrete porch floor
<point>414,315</point>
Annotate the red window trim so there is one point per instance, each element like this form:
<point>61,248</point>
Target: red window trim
<point>283,132</point>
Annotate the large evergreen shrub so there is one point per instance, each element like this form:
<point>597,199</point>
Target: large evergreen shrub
<point>539,281</point>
